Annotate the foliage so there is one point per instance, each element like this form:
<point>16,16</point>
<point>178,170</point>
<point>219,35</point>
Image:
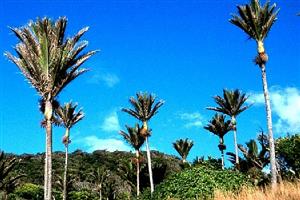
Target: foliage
<point>198,183</point>
<point>46,58</point>
<point>210,162</point>
<point>254,159</point>
<point>231,103</point>
<point>82,195</point>
<point>30,191</point>
<point>254,19</point>
<point>8,179</point>
<point>183,147</point>
<point>81,164</point>
<point>288,152</point>
<point>143,106</point>
<point>133,137</point>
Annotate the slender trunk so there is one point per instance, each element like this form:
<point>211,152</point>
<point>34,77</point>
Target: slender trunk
<point>48,163</point>
<point>65,172</point>
<point>100,192</point>
<point>269,122</point>
<point>223,165</point>
<point>221,148</point>
<point>149,166</point>
<point>233,120</point>
<point>137,173</point>
<point>45,172</point>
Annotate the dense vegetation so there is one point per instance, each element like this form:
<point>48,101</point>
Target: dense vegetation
<point>199,182</point>
<point>117,168</point>
<point>113,174</point>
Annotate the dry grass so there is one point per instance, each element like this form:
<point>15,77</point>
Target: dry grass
<point>285,191</point>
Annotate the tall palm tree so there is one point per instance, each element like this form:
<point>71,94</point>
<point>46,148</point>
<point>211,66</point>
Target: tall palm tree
<point>256,21</point>
<point>136,140</point>
<point>231,104</point>
<point>50,62</point>
<point>144,108</point>
<point>183,148</point>
<point>68,117</point>
<point>218,126</point>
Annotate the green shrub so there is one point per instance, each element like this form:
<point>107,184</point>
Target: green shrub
<point>82,195</point>
<point>198,183</point>
<point>30,191</point>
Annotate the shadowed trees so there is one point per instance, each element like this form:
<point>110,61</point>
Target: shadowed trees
<point>135,140</point>
<point>8,182</point>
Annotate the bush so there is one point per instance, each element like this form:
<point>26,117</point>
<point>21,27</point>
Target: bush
<point>198,183</point>
<point>30,191</point>
<point>82,195</point>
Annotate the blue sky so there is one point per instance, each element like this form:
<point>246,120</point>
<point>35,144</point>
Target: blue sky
<point>185,52</point>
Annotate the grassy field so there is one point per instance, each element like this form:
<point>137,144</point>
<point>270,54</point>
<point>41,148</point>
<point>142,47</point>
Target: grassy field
<point>285,191</point>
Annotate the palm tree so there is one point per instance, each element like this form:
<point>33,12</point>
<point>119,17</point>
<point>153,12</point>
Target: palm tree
<point>68,117</point>
<point>183,148</point>
<point>8,182</point>
<point>218,126</point>
<point>144,108</point>
<point>254,159</point>
<point>231,104</point>
<point>99,176</point>
<point>256,21</point>
<point>136,140</point>
<point>50,62</point>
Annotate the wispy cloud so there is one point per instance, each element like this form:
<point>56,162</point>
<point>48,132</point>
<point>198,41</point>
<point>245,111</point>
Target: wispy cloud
<point>111,123</point>
<point>109,79</point>
<point>93,143</point>
<point>191,120</point>
<point>285,104</point>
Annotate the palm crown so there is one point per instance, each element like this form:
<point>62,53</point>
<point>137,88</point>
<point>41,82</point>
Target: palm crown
<point>144,106</point>
<point>255,20</point>
<point>68,115</point>
<point>231,103</point>
<point>46,58</point>
<point>133,137</point>
<point>183,147</point>
<point>219,126</point>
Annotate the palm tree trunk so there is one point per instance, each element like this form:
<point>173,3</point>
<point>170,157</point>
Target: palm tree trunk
<point>45,172</point>
<point>222,153</point>
<point>233,120</point>
<point>269,122</point>
<point>149,166</point>
<point>137,173</point>
<point>100,192</point>
<point>48,159</point>
<point>65,172</point>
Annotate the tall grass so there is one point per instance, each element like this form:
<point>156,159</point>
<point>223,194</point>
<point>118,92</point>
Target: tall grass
<point>284,191</point>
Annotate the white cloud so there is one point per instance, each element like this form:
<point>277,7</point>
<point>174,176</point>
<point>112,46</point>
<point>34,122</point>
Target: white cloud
<point>111,123</point>
<point>285,104</point>
<point>109,79</point>
<point>192,119</point>
<point>93,143</point>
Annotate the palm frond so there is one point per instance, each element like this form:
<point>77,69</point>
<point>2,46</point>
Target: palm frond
<point>254,19</point>
<point>47,59</point>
